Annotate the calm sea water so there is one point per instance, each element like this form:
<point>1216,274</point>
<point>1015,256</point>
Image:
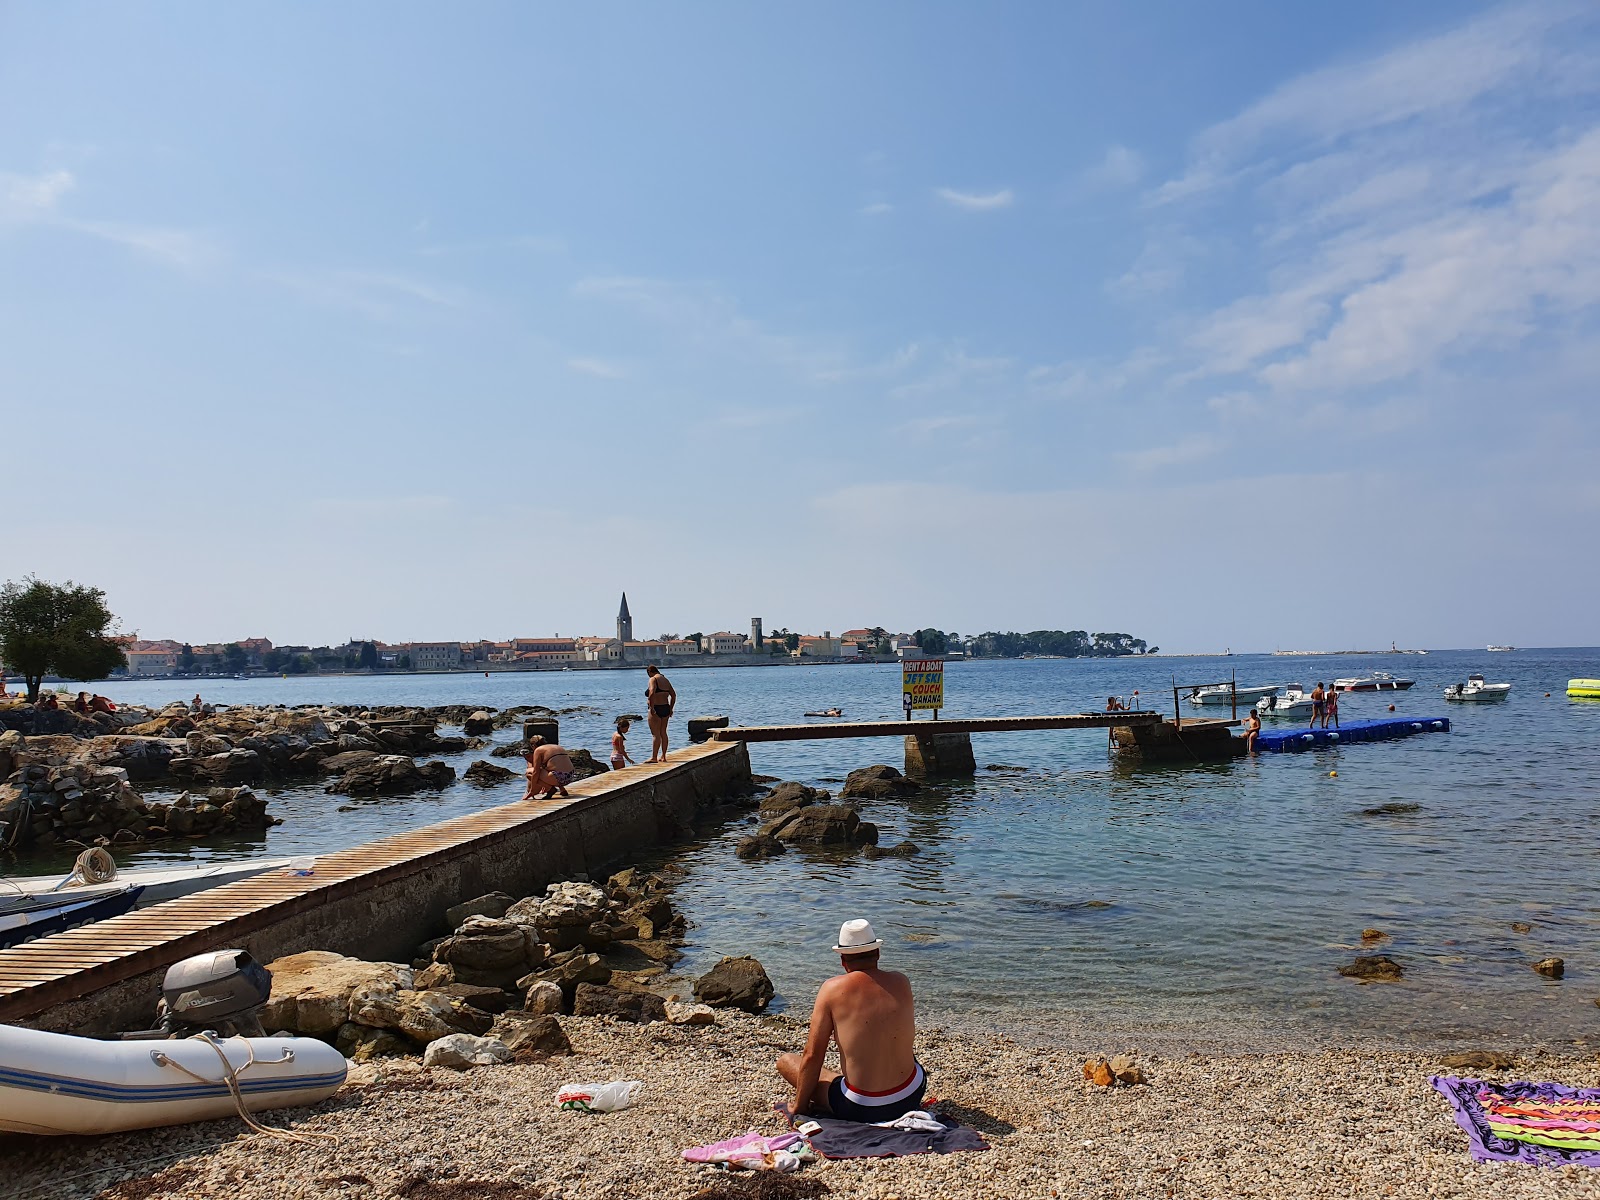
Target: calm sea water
<point>1205,902</point>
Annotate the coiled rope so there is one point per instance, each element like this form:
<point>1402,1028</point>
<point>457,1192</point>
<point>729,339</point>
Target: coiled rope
<point>230,1076</point>
<point>94,865</point>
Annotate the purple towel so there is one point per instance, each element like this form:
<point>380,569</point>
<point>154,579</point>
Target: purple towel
<point>1487,1146</point>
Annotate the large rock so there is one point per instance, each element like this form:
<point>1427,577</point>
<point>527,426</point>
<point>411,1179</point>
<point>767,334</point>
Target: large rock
<point>345,760</point>
<point>479,724</point>
<point>597,1000</point>
<point>823,825</point>
<point>680,1013</point>
<point>758,846</point>
<point>231,766</point>
<point>388,774</point>
<point>1373,968</point>
<point>363,1043</point>
<point>529,1034</point>
<point>877,782</point>
<point>311,991</point>
<point>544,999</point>
<point>489,952</point>
<point>567,970</point>
<point>460,1051</point>
<point>491,904</point>
<point>569,915</point>
<point>735,983</point>
<point>786,797</point>
<point>487,773</point>
<point>700,727</point>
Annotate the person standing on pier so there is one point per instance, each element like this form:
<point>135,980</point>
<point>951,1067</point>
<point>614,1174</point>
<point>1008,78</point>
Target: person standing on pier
<point>662,698</point>
<point>1330,708</point>
<point>1317,705</point>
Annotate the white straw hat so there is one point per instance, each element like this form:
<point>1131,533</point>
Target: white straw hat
<point>857,937</point>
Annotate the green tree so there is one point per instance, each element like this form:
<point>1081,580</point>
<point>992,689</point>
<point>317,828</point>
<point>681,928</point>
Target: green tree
<point>931,641</point>
<point>405,662</point>
<point>791,642</point>
<point>234,657</point>
<point>698,639</point>
<point>369,655</point>
<point>880,639</point>
<point>300,664</point>
<point>272,660</point>
<point>65,629</point>
<point>186,659</point>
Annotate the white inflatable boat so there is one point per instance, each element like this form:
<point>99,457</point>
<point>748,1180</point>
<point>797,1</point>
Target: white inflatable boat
<point>54,1083</point>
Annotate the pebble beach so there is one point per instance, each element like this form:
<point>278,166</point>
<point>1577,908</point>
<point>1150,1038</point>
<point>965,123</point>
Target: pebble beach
<point>1292,1124</point>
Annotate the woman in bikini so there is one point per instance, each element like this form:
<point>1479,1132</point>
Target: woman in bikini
<point>619,746</point>
<point>662,698</point>
<point>549,770</point>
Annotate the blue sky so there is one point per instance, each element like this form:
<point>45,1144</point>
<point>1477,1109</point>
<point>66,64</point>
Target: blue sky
<point>1240,324</point>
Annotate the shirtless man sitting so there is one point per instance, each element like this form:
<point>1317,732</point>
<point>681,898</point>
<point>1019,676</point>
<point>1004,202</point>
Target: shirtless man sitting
<point>549,770</point>
<point>871,1015</point>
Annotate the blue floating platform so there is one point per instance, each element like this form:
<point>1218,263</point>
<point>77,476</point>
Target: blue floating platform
<point>1383,730</point>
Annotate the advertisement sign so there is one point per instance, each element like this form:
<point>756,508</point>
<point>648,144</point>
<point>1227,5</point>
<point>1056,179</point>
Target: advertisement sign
<point>921,683</point>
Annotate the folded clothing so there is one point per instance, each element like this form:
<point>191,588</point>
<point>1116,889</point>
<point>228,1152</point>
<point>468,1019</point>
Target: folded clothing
<point>1542,1123</point>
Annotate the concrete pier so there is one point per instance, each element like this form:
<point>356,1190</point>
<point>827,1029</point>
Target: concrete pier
<point>374,902</point>
<point>939,755</point>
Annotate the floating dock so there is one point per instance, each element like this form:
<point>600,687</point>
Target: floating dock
<point>1384,730</point>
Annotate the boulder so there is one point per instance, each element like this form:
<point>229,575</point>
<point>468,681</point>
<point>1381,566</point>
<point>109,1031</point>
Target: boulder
<point>1551,968</point>
<point>482,772</point>
<point>231,766</point>
<point>345,760</point>
<point>903,850</point>
<point>568,915</point>
<point>528,1034</point>
<point>680,1013</point>
<point>312,991</point>
<point>479,724</point>
<point>388,774</point>
<point>435,975</point>
<point>1478,1060</point>
<point>363,1044</point>
<point>735,983</point>
<point>1373,968</point>
<point>489,952</point>
<point>544,999</point>
<point>759,846</point>
<point>599,1000</point>
<point>491,1000</point>
<point>460,1051</point>
<point>787,797</point>
<point>490,904</point>
<point>822,825</point>
<point>877,782</point>
<point>567,970</point>
<point>425,1017</point>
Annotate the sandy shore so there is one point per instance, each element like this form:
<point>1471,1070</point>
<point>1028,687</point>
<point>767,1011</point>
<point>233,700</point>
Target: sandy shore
<point>1329,1124</point>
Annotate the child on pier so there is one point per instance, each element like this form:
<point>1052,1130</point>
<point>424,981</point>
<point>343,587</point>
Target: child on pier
<point>619,746</point>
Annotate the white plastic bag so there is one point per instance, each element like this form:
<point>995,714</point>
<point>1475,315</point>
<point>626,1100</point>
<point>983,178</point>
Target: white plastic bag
<point>599,1097</point>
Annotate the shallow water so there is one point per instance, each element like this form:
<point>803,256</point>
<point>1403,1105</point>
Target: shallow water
<point>1078,888</point>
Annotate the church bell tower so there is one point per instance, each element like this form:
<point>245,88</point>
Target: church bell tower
<point>624,622</point>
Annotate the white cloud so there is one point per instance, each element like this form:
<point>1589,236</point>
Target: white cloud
<point>1120,168</point>
<point>33,200</point>
<point>976,201</point>
<point>879,209</point>
<point>598,367</point>
<point>26,197</point>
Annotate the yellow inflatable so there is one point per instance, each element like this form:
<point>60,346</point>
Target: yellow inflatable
<point>1585,689</point>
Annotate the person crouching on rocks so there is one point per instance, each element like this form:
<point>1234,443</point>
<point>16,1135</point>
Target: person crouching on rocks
<point>549,770</point>
<point>870,1014</point>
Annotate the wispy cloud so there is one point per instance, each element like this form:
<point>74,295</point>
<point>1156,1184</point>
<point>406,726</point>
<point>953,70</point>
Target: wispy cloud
<point>879,209</point>
<point>976,201</point>
<point>381,295</point>
<point>28,197</point>
<point>1192,448</point>
<point>1120,168</point>
<point>598,367</point>
<point>35,200</point>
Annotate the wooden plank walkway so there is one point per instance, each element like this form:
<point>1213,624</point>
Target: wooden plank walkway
<point>66,965</point>
<point>902,728</point>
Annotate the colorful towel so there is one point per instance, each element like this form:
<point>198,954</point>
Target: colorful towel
<point>752,1150</point>
<point>1541,1123</point>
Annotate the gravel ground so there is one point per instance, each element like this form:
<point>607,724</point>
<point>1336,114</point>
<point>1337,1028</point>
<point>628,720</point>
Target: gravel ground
<point>1336,1124</point>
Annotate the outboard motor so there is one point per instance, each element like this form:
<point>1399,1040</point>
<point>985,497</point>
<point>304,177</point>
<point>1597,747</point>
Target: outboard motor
<point>222,992</point>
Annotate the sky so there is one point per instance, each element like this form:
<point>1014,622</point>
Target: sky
<point>1242,325</point>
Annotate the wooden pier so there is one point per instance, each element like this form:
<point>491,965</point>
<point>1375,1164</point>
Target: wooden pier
<point>903,728</point>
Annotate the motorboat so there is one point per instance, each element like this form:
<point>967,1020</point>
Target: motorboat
<point>28,917</point>
<point>156,884</point>
<point>1378,681</point>
<point>1295,702</point>
<point>1500,649</point>
<point>1227,693</point>
<point>1584,689</point>
<point>1476,689</point>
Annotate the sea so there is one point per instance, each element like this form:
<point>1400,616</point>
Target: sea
<point>1065,887</point>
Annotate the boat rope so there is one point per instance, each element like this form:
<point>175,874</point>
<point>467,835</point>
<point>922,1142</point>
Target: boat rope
<point>230,1077</point>
<point>94,865</point>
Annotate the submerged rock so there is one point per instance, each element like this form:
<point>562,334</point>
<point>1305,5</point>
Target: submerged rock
<point>903,850</point>
<point>1372,968</point>
<point>758,846</point>
<point>822,824</point>
<point>1391,810</point>
<point>878,782</point>
<point>487,772</point>
<point>1551,968</point>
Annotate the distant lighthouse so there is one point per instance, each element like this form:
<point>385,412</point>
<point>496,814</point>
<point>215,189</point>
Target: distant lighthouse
<point>624,622</point>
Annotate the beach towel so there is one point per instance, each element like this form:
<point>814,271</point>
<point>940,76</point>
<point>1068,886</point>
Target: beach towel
<point>1541,1123</point>
<point>753,1151</point>
<point>852,1139</point>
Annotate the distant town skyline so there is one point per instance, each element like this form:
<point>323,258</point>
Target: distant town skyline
<point>1241,324</point>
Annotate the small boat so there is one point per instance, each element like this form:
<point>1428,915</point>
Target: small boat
<point>158,883</point>
<point>1378,681</point>
<point>1295,702</point>
<point>1500,649</point>
<point>1225,693</point>
<point>29,917</point>
<point>1476,689</point>
<point>56,1084</point>
<point>1584,689</point>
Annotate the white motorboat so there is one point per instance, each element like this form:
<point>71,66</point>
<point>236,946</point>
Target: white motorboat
<point>1378,681</point>
<point>1476,689</point>
<point>54,1083</point>
<point>1226,693</point>
<point>1295,702</point>
<point>158,883</point>
<point>1501,649</point>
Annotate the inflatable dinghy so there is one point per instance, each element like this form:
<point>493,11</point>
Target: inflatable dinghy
<point>54,1083</point>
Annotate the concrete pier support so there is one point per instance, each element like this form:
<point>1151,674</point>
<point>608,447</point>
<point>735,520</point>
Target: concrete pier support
<point>549,730</point>
<point>936,755</point>
<point>700,727</point>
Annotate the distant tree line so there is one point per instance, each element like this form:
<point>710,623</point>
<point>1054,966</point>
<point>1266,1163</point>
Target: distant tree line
<point>1064,643</point>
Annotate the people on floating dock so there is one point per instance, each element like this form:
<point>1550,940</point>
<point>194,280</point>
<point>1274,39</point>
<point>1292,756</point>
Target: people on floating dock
<point>662,698</point>
<point>1252,727</point>
<point>549,770</point>
<point>1318,704</point>
<point>619,746</point>
<point>1330,708</point>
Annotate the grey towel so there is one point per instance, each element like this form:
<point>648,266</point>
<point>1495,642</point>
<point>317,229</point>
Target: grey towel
<point>851,1139</point>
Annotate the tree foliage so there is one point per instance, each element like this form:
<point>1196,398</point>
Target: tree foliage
<point>186,659</point>
<point>64,629</point>
<point>1063,643</point>
<point>234,657</point>
<point>932,641</point>
<point>369,655</point>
